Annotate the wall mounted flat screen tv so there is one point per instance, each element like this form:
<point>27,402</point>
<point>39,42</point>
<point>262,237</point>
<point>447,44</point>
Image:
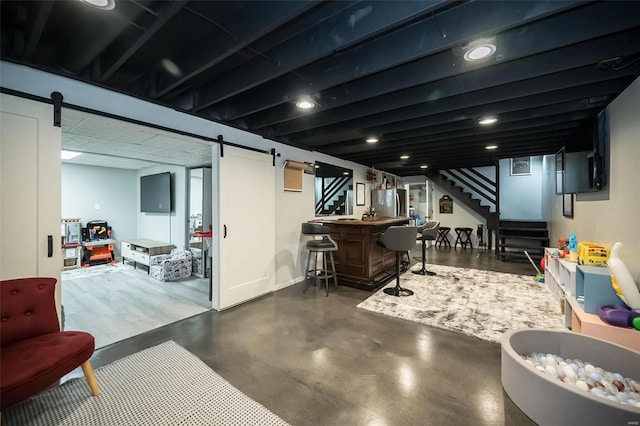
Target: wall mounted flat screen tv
<point>587,171</point>
<point>155,193</point>
<point>578,174</point>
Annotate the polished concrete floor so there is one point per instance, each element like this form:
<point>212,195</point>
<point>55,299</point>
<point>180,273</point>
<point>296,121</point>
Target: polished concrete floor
<point>316,360</point>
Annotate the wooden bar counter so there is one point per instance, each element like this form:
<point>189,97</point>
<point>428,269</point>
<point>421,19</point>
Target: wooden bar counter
<point>360,261</point>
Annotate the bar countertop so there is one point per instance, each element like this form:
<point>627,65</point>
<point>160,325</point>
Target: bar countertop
<point>386,221</point>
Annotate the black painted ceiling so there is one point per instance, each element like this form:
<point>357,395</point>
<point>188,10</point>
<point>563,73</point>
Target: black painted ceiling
<point>394,69</point>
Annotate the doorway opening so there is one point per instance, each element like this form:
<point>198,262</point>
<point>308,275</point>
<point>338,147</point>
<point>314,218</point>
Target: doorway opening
<point>122,296</point>
<point>419,202</point>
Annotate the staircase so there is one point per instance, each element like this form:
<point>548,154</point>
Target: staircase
<point>337,206</point>
<point>334,199</point>
<point>516,236</point>
<point>480,184</point>
<point>513,236</point>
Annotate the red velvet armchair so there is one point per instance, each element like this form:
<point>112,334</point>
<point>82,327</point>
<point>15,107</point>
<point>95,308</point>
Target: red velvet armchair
<point>34,353</point>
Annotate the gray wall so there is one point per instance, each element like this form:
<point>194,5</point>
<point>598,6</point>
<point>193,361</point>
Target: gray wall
<point>164,227</point>
<point>521,196</point>
<point>615,219</point>
<point>101,193</point>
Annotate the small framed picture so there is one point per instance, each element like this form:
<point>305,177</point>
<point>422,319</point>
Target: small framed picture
<point>360,201</point>
<point>567,205</point>
<point>520,166</point>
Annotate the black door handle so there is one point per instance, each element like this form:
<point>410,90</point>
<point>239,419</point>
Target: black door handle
<point>225,231</point>
<point>50,246</point>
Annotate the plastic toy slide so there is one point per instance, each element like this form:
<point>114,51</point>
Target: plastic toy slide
<point>622,281</point>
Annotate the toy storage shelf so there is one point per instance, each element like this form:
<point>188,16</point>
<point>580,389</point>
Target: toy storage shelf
<point>592,325</point>
<point>593,288</point>
<point>71,256</point>
<point>559,278</point>
<point>566,279</point>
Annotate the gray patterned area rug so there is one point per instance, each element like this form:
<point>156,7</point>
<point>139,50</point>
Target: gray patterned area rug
<point>483,304</point>
<point>162,385</point>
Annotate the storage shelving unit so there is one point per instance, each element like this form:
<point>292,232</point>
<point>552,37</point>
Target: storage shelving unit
<point>70,244</point>
<point>141,250</point>
<point>560,278</point>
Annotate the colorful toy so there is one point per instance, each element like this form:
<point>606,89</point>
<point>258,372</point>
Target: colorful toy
<point>573,247</point>
<point>619,315</point>
<point>562,244</point>
<point>592,254</point>
<point>540,277</point>
<point>542,263</point>
<point>621,280</point>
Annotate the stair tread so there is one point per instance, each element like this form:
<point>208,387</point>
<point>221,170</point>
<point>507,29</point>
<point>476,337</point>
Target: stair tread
<point>468,199</point>
<point>523,232</point>
<point>524,237</point>
<point>511,221</point>
<point>525,242</point>
<point>523,229</point>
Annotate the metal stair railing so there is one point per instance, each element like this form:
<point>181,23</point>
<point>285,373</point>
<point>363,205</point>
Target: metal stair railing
<point>476,186</point>
<point>476,182</point>
<point>337,187</point>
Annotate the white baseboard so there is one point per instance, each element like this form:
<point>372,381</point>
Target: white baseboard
<point>289,283</point>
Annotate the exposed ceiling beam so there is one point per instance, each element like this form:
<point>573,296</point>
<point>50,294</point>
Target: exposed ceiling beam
<point>422,116</point>
<point>559,123</point>
<point>434,151</point>
<point>543,68</point>
<point>249,24</point>
<point>36,30</point>
<point>459,24</point>
<point>476,159</point>
<point>165,16</point>
<point>359,22</point>
<point>548,146</point>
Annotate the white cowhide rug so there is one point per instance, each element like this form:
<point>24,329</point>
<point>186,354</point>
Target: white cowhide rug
<point>483,304</point>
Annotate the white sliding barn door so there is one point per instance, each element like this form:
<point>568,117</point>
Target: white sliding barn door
<point>30,180</point>
<point>245,226</point>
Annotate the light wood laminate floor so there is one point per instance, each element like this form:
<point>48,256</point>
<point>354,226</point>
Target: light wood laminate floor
<point>122,302</point>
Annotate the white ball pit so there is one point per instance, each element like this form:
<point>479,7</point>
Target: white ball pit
<point>548,401</point>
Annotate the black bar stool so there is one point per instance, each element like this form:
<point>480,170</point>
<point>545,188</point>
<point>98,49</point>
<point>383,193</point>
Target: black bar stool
<point>316,246</point>
<point>429,232</point>
<point>443,237</point>
<point>399,239</point>
<point>464,237</point>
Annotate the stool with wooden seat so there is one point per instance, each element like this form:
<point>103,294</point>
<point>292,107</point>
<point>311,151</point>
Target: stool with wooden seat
<point>464,237</point>
<point>428,232</point>
<point>322,246</point>
<point>400,239</point>
<point>443,237</point>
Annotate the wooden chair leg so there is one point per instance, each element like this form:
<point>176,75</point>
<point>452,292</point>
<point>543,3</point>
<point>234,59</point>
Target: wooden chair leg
<point>91,378</point>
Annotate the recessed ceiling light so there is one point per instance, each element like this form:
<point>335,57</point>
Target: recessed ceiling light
<point>479,50</point>
<point>68,155</point>
<point>101,4</point>
<point>485,121</point>
<point>424,166</point>
<point>371,139</point>
<point>491,147</point>
<point>404,157</point>
<point>171,67</point>
<point>305,104</point>
<point>317,167</point>
<point>345,173</point>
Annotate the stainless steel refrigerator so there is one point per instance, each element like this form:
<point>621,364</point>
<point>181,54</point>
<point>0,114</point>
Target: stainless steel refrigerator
<point>389,202</point>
